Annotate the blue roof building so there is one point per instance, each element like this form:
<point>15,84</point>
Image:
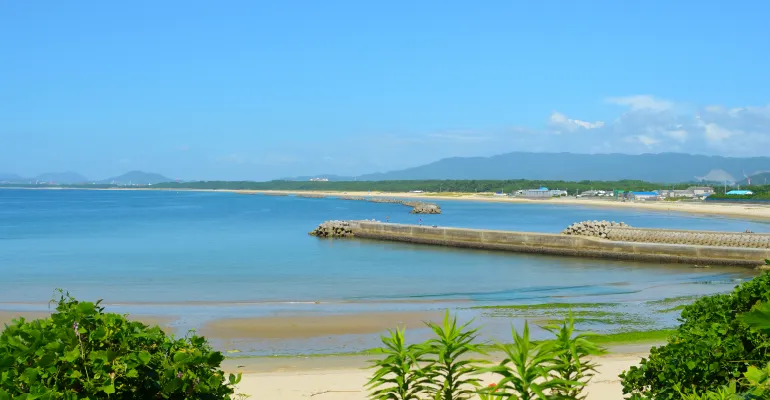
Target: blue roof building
<point>739,193</point>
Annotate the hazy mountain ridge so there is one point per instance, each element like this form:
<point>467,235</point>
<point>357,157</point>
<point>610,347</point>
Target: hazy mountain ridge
<point>137,178</point>
<point>662,167</point>
<point>68,178</point>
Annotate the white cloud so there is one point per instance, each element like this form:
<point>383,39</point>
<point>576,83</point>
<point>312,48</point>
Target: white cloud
<point>559,120</point>
<point>715,134</point>
<point>680,135</point>
<point>644,139</point>
<point>648,124</point>
<point>642,102</point>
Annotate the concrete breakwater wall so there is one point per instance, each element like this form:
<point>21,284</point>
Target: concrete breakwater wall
<point>701,238</point>
<point>418,207</point>
<point>559,244</point>
<point>621,232</point>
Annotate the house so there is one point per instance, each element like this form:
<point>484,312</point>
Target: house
<point>740,193</point>
<point>701,191</point>
<point>644,196</point>
<point>541,192</point>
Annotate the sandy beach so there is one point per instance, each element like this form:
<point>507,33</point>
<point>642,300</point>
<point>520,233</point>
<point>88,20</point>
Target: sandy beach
<point>750,211</point>
<point>747,211</point>
<point>308,326</point>
<point>343,378</point>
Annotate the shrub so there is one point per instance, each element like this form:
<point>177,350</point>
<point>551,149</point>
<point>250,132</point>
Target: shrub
<point>443,368</point>
<point>756,380</point>
<point>452,375</point>
<point>398,375</point>
<point>81,352</point>
<point>573,350</point>
<point>712,346</point>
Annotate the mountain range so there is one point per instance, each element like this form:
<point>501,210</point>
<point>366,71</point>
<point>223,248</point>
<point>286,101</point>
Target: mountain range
<point>69,178</point>
<point>661,167</point>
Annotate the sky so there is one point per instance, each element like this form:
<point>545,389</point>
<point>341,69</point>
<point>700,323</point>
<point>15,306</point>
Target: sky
<point>260,90</point>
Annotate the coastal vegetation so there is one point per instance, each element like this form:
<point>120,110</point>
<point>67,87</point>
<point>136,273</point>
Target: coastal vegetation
<point>721,350</point>
<point>445,368</point>
<point>714,345</point>
<point>81,352</point>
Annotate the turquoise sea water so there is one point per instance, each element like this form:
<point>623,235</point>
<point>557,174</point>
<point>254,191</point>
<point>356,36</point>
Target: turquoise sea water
<point>204,255</point>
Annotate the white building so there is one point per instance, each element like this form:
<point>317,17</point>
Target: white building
<point>541,192</point>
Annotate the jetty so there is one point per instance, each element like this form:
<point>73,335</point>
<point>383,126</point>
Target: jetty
<point>595,239</point>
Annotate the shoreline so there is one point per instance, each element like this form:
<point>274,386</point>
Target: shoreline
<point>345,379</point>
<point>757,212</point>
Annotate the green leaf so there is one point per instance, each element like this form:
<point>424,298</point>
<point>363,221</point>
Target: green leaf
<point>691,364</point>
<point>132,373</point>
<point>4,395</point>
<point>181,358</point>
<point>109,389</point>
<point>144,357</point>
<point>86,308</point>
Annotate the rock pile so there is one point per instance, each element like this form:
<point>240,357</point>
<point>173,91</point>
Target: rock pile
<point>598,229</point>
<point>333,229</point>
<point>423,208</point>
<point>418,207</point>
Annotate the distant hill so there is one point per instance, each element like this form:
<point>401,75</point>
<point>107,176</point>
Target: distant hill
<point>757,179</point>
<point>10,178</point>
<point>137,178</point>
<point>61,178</point>
<point>663,167</point>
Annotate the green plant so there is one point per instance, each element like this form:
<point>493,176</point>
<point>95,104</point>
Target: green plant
<point>529,370</point>
<point>451,373</point>
<point>573,352</point>
<point>81,352</point>
<point>712,346</point>
<point>397,376</point>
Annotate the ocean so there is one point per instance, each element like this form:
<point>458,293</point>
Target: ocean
<point>205,255</point>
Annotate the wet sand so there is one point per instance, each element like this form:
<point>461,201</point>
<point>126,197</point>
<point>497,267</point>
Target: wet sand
<point>344,378</point>
<point>311,326</point>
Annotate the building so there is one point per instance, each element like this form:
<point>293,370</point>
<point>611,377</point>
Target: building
<point>692,192</point>
<point>701,191</point>
<point>541,192</point>
<point>319,179</point>
<point>644,196</point>
<point>740,193</point>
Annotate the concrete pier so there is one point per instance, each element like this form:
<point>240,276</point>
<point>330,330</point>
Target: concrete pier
<point>566,245</point>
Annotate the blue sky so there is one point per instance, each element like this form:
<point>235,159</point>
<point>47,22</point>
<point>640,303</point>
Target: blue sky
<point>261,90</point>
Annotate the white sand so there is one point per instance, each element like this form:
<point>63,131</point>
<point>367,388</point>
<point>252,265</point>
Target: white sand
<point>347,383</point>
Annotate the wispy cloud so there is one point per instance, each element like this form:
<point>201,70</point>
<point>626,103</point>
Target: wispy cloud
<point>560,122</point>
<point>646,124</point>
<point>642,102</point>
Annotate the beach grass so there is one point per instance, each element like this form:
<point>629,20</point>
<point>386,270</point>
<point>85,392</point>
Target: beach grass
<point>672,309</point>
<point>633,337</point>
<point>605,339</point>
<point>674,300</point>
<point>544,306</point>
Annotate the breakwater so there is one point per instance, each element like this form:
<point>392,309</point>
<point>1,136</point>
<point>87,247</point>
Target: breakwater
<point>418,207</point>
<point>571,245</point>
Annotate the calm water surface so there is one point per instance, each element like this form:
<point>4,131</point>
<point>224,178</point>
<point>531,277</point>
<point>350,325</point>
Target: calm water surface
<point>206,255</point>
